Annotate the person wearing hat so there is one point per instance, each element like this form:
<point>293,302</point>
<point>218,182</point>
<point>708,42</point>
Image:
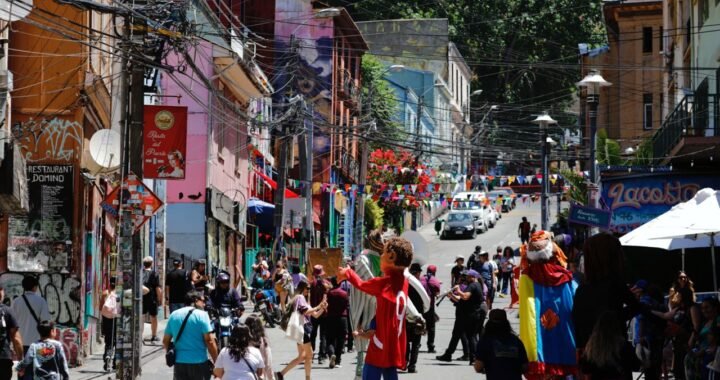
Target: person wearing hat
<point>470,310</point>
<point>151,300</point>
<point>318,294</point>
<point>432,287</point>
<point>177,285</point>
<point>500,354</point>
<point>456,270</point>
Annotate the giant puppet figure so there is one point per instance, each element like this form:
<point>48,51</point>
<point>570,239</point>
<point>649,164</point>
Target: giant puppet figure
<point>383,297</point>
<point>546,293</point>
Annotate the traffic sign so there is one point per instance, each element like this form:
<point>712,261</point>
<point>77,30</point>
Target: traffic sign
<point>136,197</point>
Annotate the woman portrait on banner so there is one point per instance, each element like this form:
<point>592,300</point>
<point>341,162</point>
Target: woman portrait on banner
<point>175,167</point>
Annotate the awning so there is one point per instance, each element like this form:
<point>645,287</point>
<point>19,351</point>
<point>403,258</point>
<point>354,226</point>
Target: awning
<point>261,214</point>
<point>273,185</point>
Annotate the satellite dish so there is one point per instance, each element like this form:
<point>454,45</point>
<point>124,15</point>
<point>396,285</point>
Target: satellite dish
<point>105,148</point>
<point>420,248</point>
<point>14,10</point>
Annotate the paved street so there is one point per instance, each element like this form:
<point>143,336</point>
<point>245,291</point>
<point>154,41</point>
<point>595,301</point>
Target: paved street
<point>441,254</point>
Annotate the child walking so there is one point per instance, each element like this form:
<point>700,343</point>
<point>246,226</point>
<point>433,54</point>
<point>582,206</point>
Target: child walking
<point>45,359</point>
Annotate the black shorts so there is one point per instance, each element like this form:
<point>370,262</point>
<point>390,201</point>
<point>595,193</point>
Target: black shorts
<point>150,307</point>
<point>307,332</point>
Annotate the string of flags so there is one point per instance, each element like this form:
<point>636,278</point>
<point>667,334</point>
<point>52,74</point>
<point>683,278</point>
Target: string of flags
<point>520,180</point>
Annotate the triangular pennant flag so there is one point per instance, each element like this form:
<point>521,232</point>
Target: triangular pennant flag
<point>413,188</point>
<point>553,180</point>
<point>528,179</point>
<point>521,180</point>
<point>502,181</point>
<point>399,187</point>
<point>511,179</point>
<point>316,187</point>
<point>540,180</point>
<point>368,189</point>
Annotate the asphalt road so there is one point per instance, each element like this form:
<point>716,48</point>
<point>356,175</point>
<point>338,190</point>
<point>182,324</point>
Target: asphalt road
<point>442,254</point>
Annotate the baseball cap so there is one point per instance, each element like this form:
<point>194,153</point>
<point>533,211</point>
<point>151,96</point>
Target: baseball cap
<point>484,253</point>
<point>459,257</point>
<point>432,269</point>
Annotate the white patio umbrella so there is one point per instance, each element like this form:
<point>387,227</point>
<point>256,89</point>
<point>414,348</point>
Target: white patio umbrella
<point>659,232</point>
<point>697,227</point>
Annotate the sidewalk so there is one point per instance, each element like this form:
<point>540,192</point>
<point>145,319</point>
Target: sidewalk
<point>93,364</point>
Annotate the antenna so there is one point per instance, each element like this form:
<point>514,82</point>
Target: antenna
<point>105,149</point>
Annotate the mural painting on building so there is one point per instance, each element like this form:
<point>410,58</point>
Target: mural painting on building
<point>42,241</point>
<point>49,140</point>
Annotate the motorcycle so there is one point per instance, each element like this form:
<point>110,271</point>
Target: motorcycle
<point>265,304</point>
<point>224,319</point>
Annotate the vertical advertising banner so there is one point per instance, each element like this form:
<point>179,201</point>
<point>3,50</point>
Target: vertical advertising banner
<point>164,142</point>
<point>42,241</point>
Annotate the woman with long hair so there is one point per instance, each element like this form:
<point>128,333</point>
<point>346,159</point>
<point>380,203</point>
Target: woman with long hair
<point>608,354</point>
<point>259,340</point>
<point>500,353</point>
<point>305,351</point>
<point>700,338</point>
<point>682,281</point>
<point>507,264</point>
<point>239,360</point>
<point>283,283</point>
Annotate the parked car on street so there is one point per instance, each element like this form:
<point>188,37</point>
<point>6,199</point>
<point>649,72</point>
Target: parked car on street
<point>460,224</point>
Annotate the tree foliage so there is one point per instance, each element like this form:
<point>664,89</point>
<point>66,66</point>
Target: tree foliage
<point>577,190</point>
<point>521,51</point>
<point>608,150</point>
<point>373,214</point>
<point>381,102</point>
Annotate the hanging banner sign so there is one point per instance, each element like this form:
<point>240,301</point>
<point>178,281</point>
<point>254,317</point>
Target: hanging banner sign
<point>164,142</point>
<point>136,197</point>
<point>589,216</point>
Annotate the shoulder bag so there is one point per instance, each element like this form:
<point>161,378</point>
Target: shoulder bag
<point>170,354</point>
<point>295,327</point>
<point>253,370</point>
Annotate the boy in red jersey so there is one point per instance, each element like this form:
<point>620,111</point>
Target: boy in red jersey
<point>387,346</point>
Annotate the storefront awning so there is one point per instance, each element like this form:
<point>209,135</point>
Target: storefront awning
<point>273,185</point>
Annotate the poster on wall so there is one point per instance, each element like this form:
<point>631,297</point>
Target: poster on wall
<point>635,200</point>
<point>136,196</point>
<point>164,142</point>
<point>42,240</point>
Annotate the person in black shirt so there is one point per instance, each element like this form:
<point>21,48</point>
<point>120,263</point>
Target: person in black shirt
<point>474,258</point>
<point>608,354</point>
<point>176,286</point>
<point>151,300</point>
<point>413,338</point>
<point>9,335</point>
<point>469,316</point>
<point>500,353</point>
<point>455,271</point>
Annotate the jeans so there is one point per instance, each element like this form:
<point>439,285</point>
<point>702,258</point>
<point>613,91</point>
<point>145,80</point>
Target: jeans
<point>370,372</point>
<point>412,349</point>
<point>175,306</point>
<point>505,278</point>
<point>335,337</point>
<point>319,328</point>
<point>191,371</point>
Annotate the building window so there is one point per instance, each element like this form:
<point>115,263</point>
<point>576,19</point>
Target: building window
<point>647,111</point>
<point>647,39</point>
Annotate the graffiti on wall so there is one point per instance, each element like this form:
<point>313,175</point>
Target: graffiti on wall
<point>46,140</point>
<point>70,339</point>
<point>61,291</point>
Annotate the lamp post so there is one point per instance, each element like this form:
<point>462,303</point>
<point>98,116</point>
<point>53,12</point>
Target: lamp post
<point>593,81</point>
<point>543,121</point>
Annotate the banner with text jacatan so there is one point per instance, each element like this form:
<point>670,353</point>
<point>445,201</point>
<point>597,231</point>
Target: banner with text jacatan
<point>164,142</point>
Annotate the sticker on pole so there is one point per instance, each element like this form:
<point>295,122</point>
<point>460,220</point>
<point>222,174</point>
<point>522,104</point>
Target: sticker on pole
<point>136,198</point>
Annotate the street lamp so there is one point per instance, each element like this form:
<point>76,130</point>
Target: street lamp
<point>593,81</point>
<point>543,121</point>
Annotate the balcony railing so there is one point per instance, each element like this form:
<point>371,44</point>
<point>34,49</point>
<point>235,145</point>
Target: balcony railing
<point>695,116</point>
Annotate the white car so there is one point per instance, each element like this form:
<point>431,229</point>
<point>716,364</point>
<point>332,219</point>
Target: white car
<point>496,215</point>
<point>488,214</point>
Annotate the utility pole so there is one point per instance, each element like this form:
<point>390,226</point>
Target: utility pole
<point>129,332</point>
<point>306,165</point>
<point>418,140</point>
<point>544,120</point>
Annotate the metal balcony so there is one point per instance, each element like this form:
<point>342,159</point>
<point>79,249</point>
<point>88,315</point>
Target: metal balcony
<point>691,127</point>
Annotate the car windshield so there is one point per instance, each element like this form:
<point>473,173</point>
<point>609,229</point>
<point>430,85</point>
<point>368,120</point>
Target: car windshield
<point>458,217</point>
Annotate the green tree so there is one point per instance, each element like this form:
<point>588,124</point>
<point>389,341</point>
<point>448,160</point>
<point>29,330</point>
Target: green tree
<point>608,150</point>
<point>381,102</point>
<point>373,214</point>
<point>577,190</point>
<point>522,51</point>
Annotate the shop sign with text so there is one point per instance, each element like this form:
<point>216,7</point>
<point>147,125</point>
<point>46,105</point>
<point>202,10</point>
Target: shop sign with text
<point>164,142</point>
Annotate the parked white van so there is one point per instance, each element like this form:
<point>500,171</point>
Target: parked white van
<point>474,201</point>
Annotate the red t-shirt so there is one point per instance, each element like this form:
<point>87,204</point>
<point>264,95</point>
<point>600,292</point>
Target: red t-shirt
<point>387,346</point>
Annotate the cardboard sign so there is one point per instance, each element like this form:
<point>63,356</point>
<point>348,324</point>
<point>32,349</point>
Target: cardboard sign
<point>137,197</point>
<point>329,258</point>
<point>164,142</point>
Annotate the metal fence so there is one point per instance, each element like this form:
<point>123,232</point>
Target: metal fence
<point>695,116</point>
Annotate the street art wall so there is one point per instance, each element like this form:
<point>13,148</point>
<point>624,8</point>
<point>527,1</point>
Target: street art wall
<point>637,199</point>
<point>46,140</point>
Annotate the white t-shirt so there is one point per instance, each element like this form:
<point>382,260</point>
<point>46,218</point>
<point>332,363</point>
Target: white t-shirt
<point>494,267</point>
<point>239,370</point>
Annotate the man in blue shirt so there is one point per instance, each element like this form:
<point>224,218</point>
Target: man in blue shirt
<point>191,360</point>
